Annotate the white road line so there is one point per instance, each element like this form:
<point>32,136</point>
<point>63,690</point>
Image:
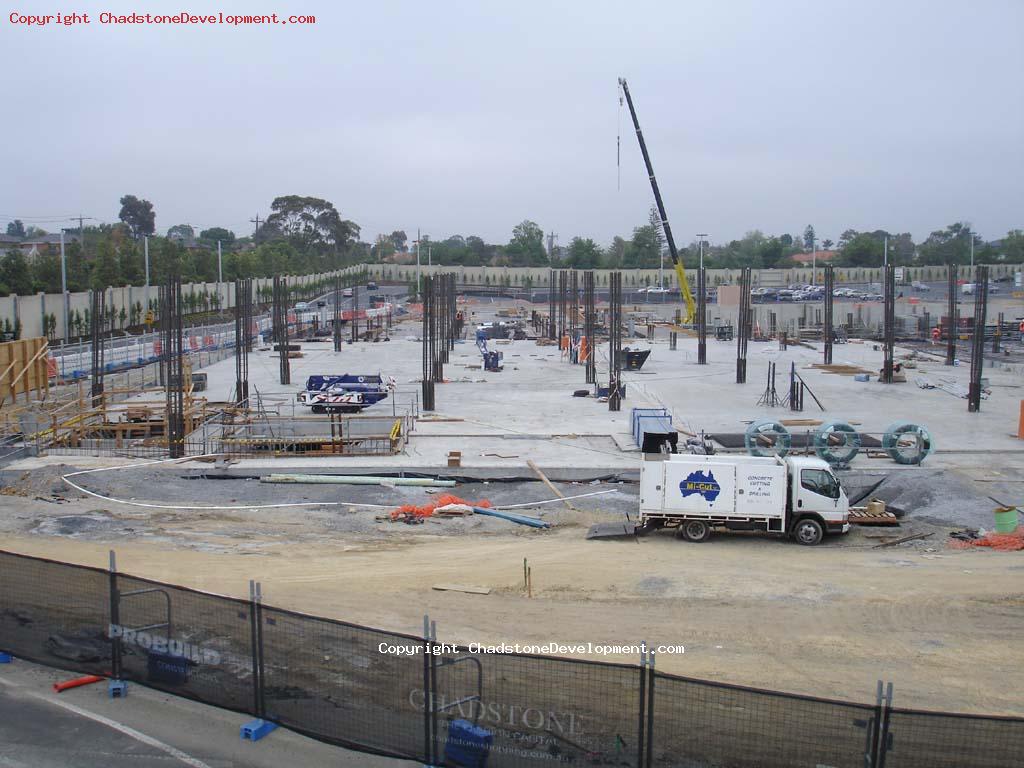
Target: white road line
<point>174,752</point>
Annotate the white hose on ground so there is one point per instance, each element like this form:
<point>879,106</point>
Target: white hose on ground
<point>127,502</point>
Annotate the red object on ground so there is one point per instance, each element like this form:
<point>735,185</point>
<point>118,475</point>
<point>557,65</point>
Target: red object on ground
<point>1004,542</point>
<point>409,511</point>
<point>77,682</point>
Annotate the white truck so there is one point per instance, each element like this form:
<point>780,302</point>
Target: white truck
<point>796,497</point>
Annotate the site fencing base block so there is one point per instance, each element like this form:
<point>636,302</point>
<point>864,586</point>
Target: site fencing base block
<point>256,729</point>
<point>117,689</point>
<point>5,658</point>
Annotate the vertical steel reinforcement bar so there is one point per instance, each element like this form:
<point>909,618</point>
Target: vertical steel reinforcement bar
<point>978,338</point>
<point>829,333</point>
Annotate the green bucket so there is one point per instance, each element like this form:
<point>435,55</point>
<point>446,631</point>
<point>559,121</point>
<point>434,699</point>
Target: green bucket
<point>1006,519</point>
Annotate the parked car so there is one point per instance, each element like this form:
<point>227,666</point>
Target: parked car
<point>917,285</point>
<point>371,286</point>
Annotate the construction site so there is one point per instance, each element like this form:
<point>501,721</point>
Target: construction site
<point>316,451</point>
<point>675,528</point>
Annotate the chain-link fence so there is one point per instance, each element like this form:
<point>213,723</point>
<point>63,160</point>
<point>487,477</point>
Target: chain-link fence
<point>412,697</point>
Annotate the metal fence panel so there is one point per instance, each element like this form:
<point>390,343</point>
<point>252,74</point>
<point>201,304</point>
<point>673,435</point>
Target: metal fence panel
<point>940,740</point>
<point>330,680</point>
<point>703,725</point>
<point>54,613</point>
<point>186,642</point>
<point>541,710</point>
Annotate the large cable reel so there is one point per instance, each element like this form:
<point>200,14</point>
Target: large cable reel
<point>907,443</point>
<point>836,442</point>
<point>767,438</point>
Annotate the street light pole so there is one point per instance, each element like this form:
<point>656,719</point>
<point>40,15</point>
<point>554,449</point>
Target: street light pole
<point>700,246</point>
<point>885,253</point>
<point>814,263</point>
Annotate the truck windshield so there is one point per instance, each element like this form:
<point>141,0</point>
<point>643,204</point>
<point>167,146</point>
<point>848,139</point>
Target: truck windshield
<point>820,481</point>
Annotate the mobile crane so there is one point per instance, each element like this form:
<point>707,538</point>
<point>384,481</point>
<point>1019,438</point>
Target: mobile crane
<point>684,286</point>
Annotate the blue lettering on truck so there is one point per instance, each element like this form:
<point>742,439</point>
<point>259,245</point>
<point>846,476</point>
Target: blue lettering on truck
<point>701,484</point>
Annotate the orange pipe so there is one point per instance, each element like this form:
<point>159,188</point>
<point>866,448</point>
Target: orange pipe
<point>78,681</point>
<point>1020,424</point>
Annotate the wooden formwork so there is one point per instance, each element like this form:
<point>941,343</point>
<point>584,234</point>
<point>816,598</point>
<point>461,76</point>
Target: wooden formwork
<point>23,369</point>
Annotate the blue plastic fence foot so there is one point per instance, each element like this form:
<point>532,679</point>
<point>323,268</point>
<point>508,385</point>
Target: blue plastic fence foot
<point>5,658</point>
<point>256,729</point>
<point>117,689</point>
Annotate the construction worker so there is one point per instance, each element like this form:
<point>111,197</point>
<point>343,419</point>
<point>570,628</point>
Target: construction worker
<point>936,333</point>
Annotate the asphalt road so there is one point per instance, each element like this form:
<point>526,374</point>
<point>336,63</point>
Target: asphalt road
<point>83,728</point>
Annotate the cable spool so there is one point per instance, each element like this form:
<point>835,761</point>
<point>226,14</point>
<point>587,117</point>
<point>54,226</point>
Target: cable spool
<point>767,438</point>
<point>836,442</point>
<point>903,451</point>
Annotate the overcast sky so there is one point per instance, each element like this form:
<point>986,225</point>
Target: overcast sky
<point>465,118</point>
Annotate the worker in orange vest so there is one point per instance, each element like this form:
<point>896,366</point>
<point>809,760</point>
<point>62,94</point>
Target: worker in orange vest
<point>936,333</point>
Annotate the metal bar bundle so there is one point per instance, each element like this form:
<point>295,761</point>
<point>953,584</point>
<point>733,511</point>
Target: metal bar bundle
<point>552,327</point>
<point>951,329</point>
<point>243,330</point>
<point>173,333</point>
<point>702,316</point>
<point>978,338</point>
<point>830,286</point>
<point>615,341</point>
<point>590,325</point>
<point>336,321</point>
<point>743,327</point>
<point>280,319</point>
<point>97,316</point>
<point>889,323</point>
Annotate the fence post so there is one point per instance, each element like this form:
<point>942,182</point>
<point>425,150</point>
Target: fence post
<point>116,687</point>
<point>254,623</point>
<point>650,708</point>
<point>256,729</point>
<point>642,721</point>
<point>884,737</point>
<point>428,703</point>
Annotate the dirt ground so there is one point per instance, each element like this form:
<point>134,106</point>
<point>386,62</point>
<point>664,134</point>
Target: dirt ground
<point>943,625</point>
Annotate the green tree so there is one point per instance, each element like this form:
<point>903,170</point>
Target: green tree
<point>863,250</point>
<point>138,216</point>
<point>526,249</point>
<point>399,240</point>
<point>16,228</point>
<point>212,235</point>
<point>951,245</point>
<point>105,271</point>
<point>45,269</point>
<point>181,233</point>
<point>827,244</point>
<point>809,238</point>
<point>583,254</point>
<point>644,251</point>
<point>616,253</point>
<point>15,275</point>
<point>311,223</point>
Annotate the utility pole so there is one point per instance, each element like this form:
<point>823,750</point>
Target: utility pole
<point>971,236</point>
<point>885,253</point>
<point>256,232</point>
<point>429,262</point>
<point>418,236</point>
<point>64,283</point>
<point>220,266</point>
<point>145,247</point>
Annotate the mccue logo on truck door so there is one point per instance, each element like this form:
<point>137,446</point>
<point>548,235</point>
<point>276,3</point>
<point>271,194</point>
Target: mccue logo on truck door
<point>701,484</point>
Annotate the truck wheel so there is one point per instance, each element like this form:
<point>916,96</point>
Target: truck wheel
<point>808,532</point>
<point>695,530</point>
<point>318,409</point>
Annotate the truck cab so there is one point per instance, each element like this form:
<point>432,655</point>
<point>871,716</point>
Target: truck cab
<point>816,500</point>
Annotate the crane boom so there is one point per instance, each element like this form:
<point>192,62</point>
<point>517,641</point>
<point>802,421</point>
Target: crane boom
<point>684,286</point>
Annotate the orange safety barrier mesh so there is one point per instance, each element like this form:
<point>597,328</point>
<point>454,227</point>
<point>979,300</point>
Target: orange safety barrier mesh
<point>411,511</point>
<point>1004,542</point>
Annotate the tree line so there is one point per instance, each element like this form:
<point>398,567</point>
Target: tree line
<point>304,235</point>
<point>301,235</point>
